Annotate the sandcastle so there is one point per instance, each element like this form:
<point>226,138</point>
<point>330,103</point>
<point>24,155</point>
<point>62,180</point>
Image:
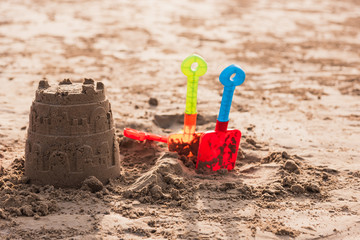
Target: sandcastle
<point>71,135</point>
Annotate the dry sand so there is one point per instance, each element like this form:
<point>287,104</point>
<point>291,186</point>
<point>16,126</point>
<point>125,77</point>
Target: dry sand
<point>298,170</point>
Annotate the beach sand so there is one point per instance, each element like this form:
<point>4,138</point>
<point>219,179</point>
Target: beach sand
<point>298,169</point>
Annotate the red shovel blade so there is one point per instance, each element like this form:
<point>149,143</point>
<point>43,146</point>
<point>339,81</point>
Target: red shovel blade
<point>218,150</point>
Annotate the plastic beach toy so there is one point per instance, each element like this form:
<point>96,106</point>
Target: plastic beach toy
<point>142,136</point>
<point>182,141</point>
<point>218,149</point>
<point>186,142</point>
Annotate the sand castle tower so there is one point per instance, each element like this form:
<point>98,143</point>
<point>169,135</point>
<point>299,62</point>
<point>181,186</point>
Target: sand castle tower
<point>71,135</point>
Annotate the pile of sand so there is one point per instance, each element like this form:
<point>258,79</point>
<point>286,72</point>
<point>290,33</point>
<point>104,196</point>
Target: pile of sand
<point>20,199</point>
<point>152,176</point>
<point>164,181</point>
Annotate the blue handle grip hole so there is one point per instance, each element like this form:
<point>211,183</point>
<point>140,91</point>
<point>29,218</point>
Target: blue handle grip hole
<point>232,76</point>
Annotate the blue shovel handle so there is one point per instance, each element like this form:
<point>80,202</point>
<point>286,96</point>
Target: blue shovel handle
<point>229,86</point>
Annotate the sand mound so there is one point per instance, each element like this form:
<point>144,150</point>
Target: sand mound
<point>164,181</point>
<point>20,199</point>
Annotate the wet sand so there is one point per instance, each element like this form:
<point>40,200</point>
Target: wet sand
<point>297,172</point>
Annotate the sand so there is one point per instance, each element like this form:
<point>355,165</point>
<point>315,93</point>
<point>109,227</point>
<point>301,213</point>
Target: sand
<point>71,135</point>
<point>297,173</point>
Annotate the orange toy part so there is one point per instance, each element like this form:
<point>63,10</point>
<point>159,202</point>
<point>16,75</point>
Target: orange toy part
<point>185,143</point>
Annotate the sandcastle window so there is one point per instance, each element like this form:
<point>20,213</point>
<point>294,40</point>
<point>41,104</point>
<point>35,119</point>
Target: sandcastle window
<point>41,120</point>
<point>80,122</point>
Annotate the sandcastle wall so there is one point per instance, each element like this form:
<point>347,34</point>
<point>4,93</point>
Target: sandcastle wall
<point>71,135</point>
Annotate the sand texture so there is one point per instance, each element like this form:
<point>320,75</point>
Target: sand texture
<point>71,135</point>
<point>297,173</point>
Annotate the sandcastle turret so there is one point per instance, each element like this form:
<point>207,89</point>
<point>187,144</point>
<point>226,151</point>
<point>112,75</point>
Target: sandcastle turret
<point>71,135</point>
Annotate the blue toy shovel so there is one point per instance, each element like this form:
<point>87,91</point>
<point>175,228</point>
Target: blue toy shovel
<point>218,149</point>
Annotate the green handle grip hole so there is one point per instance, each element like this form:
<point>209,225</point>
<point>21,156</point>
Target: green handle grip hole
<point>194,66</point>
